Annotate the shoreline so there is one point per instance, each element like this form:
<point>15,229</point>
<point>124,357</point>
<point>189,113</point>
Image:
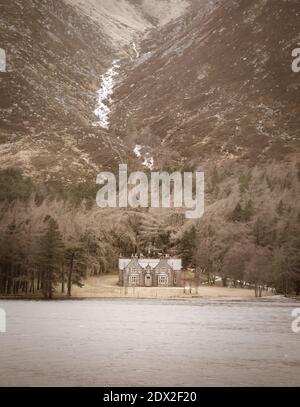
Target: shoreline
<point>106,288</point>
<point>268,298</point>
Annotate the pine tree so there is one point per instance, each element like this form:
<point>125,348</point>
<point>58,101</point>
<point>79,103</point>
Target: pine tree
<point>187,246</point>
<point>10,258</point>
<point>76,260</point>
<point>51,254</point>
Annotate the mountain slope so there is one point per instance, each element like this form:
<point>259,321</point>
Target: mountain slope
<point>199,80</point>
<point>215,86</point>
<point>123,21</point>
<point>55,57</point>
<point>56,54</point>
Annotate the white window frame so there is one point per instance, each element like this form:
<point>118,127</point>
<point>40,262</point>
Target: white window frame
<point>134,279</point>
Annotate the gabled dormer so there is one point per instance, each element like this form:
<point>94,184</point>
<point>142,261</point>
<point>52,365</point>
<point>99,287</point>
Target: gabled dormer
<point>163,265</point>
<point>147,269</point>
<point>134,266</point>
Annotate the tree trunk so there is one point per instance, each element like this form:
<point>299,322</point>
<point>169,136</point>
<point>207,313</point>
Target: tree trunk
<point>63,278</point>
<point>70,275</point>
<point>45,284</point>
<point>50,283</point>
<point>32,289</point>
<point>286,287</point>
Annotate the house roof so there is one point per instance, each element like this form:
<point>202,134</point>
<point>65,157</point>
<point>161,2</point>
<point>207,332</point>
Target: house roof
<point>174,263</point>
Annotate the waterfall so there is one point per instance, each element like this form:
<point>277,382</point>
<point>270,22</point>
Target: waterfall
<point>103,95</point>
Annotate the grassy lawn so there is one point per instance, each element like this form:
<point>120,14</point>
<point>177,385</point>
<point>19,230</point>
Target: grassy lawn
<point>106,286</point>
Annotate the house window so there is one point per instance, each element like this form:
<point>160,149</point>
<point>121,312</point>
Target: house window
<point>162,280</point>
<point>133,280</point>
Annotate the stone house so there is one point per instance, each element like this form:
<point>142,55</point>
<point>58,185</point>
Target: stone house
<point>142,272</point>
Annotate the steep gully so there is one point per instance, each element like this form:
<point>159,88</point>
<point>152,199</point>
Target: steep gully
<point>104,99</point>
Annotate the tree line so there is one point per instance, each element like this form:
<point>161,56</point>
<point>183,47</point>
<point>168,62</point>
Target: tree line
<point>248,237</point>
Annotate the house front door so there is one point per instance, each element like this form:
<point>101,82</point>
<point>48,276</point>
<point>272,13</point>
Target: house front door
<point>148,280</point>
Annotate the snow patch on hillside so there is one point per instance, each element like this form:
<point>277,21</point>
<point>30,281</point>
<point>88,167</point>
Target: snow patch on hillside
<point>137,151</point>
<point>137,54</point>
<point>148,161</point>
<point>104,95</point>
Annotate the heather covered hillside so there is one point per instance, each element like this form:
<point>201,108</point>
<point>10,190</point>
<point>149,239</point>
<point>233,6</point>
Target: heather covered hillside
<point>57,52</point>
<point>55,58</point>
<point>216,85</point>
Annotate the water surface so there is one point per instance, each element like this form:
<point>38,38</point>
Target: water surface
<point>149,342</point>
